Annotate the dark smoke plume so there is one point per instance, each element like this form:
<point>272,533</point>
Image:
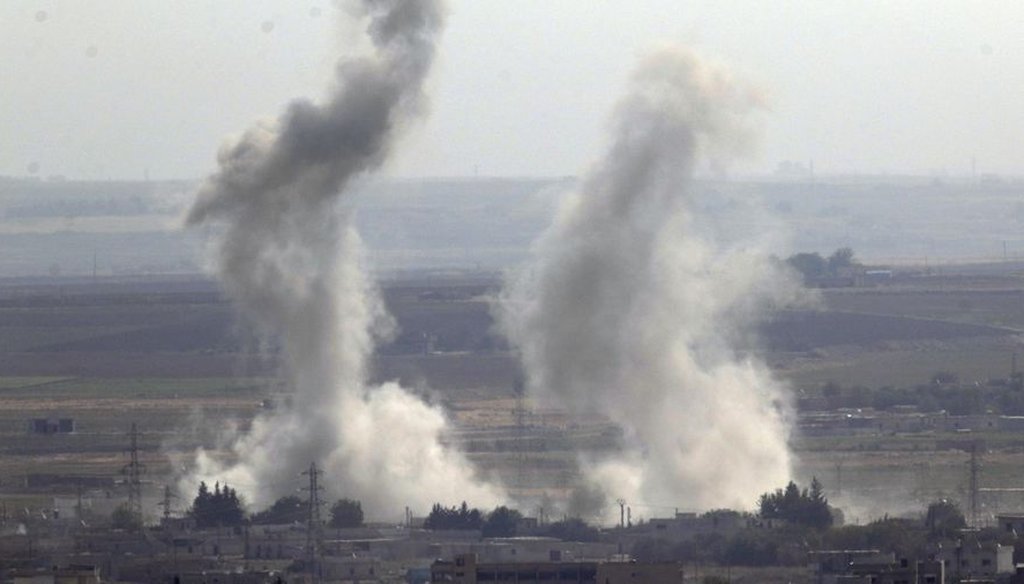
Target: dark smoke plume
<point>287,254</point>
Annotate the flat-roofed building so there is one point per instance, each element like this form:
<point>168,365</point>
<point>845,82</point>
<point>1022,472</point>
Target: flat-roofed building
<point>464,569</point>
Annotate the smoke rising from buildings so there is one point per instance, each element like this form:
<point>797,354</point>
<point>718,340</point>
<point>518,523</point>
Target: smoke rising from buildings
<point>288,255</point>
<point>629,308</point>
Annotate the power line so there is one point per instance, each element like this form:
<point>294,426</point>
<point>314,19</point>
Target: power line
<point>975,467</point>
<point>313,524</point>
<point>166,503</point>
<point>134,471</point>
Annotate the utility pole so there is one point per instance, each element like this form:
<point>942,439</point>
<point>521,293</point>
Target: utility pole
<point>313,521</point>
<point>134,470</point>
<point>166,503</point>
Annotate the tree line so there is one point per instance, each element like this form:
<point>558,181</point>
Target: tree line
<point>504,521</point>
<point>813,265</point>
<point>807,507</point>
<point>224,507</point>
<point>805,529</point>
<point>943,392</point>
<point>805,522</point>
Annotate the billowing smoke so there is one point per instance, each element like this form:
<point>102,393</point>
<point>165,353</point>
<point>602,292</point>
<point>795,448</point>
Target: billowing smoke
<point>288,255</point>
<point>630,307</point>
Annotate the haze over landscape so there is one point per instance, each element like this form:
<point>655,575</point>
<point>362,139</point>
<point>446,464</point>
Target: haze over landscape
<point>112,90</point>
<point>430,290</point>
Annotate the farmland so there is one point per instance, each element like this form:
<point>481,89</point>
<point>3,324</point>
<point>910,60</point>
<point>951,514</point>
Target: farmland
<point>171,356</point>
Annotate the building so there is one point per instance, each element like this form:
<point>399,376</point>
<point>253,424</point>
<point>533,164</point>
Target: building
<point>464,569</point>
<point>1011,523</point>
<point>685,525</point>
<point>873,567</point>
<point>51,426</point>
<point>975,560</point>
<point>69,575</point>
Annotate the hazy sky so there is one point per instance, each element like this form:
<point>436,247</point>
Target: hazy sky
<point>113,88</point>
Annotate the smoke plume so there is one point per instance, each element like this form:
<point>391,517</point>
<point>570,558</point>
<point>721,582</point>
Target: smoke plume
<point>630,308</point>
<point>288,255</point>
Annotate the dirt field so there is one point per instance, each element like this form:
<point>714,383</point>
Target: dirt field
<point>1001,307</point>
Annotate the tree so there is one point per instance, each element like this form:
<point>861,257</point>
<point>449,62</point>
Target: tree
<point>944,519</point>
<point>805,507</point>
<point>906,537</point>
<point>443,518</point>
<point>288,509</point>
<point>346,513</point>
<point>810,265</point>
<point>125,518</point>
<point>791,501</point>
<point>220,508</point>
<point>572,529</point>
<point>502,522</point>
<point>752,548</point>
<point>816,510</point>
<point>841,258</point>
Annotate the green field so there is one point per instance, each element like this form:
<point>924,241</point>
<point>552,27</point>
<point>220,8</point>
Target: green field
<point>16,383</point>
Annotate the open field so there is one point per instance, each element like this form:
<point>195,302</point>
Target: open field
<point>809,330</point>
<point>902,335</point>
<point>900,364</point>
<point>1001,307</point>
<point>176,363</point>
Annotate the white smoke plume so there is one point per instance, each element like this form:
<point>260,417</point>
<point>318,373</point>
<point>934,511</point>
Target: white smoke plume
<point>629,307</point>
<point>288,255</point>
